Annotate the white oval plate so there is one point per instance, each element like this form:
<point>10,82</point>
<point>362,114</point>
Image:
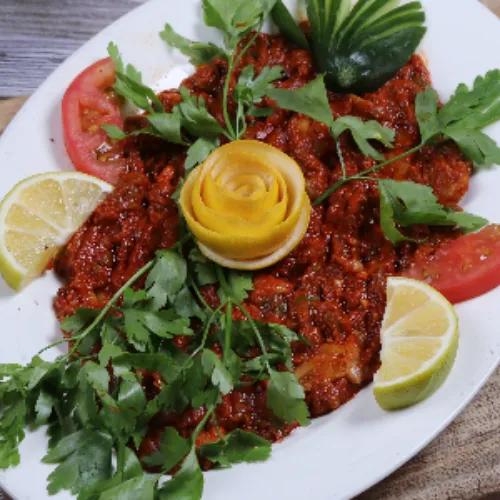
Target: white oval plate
<point>338,455</point>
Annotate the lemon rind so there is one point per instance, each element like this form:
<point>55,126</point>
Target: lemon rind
<point>447,340</point>
<point>16,275</point>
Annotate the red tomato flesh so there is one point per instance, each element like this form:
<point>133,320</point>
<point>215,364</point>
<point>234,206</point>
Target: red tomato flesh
<point>463,268</point>
<point>87,104</point>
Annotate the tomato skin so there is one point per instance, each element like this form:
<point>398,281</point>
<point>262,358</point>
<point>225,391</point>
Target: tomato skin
<point>463,268</point>
<point>87,104</point>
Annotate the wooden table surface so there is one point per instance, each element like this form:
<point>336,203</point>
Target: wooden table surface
<point>464,461</point>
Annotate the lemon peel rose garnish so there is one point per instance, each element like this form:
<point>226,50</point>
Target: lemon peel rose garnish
<point>246,205</point>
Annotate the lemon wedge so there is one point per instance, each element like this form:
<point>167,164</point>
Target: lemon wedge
<point>419,342</point>
<point>38,216</point>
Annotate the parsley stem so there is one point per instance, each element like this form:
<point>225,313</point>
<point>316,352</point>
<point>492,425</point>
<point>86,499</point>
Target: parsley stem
<point>383,164</point>
<point>104,311</point>
<point>233,62</point>
<point>225,95</point>
<point>221,278</point>
<point>362,175</point>
<point>50,346</point>
<point>228,328</point>
<point>202,424</point>
<point>206,330</point>
<point>341,158</point>
<point>198,294</point>
<point>257,334</point>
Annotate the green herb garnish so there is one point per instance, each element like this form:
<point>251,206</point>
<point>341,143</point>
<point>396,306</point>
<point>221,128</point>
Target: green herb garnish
<point>97,407</point>
<point>461,119</point>
<point>406,203</point>
<point>197,52</point>
<point>312,100</point>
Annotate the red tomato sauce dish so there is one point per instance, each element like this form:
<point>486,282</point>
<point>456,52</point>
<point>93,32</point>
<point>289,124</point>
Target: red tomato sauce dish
<point>332,287</point>
<point>261,250</point>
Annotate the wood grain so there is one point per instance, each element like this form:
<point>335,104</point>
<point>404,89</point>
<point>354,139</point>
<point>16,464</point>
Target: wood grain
<point>493,5</point>
<point>464,461</point>
<point>37,35</point>
<point>8,108</point>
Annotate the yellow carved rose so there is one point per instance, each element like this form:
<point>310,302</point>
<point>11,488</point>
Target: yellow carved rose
<point>246,205</point>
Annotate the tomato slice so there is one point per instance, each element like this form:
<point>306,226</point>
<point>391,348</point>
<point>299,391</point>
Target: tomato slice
<point>463,268</point>
<point>87,104</point>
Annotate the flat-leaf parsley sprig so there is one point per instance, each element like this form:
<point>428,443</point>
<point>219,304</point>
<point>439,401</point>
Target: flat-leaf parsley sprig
<point>461,119</point>
<point>94,402</point>
<point>190,123</point>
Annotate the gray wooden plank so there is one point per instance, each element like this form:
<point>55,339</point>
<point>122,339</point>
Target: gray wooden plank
<point>37,35</point>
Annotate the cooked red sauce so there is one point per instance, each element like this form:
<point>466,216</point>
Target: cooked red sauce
<point>331,289</point>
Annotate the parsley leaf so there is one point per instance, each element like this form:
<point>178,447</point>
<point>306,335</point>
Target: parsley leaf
<point>84,459</point>
<point>108,351</point>
<point>98,377</point>
<point>114,132</point>
<point>250,89</point>
<point>167,125</point>
<point>362,131</point>
<point>204,269</point>
<point>285,397</point>
<point>173,448</point>
<point>135,329</point>
<point>312,100</point>
<point>187,484</point>
<point>121,484</point>
<point>233,285</point>
<point>199,150</point>
<point>129,84</point>
<point>237,446</point>
<point>85,402</point>
<point>426,111</point>
<point>13,412</point>
<point>235,18</point>
<point>165,324</point>
<point>160,362</point>
<point>407,203</point>
<point>131,397</point>
<point>186,305</point>
<point>166,278</point>
<point>463,117</point>
<point>142,486</point>
<point>44,406</point>
<point>215,369</point>
<point>249,92</point>
<point>79,320</point>
<point>195,117</point>
<point>197,52</point>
